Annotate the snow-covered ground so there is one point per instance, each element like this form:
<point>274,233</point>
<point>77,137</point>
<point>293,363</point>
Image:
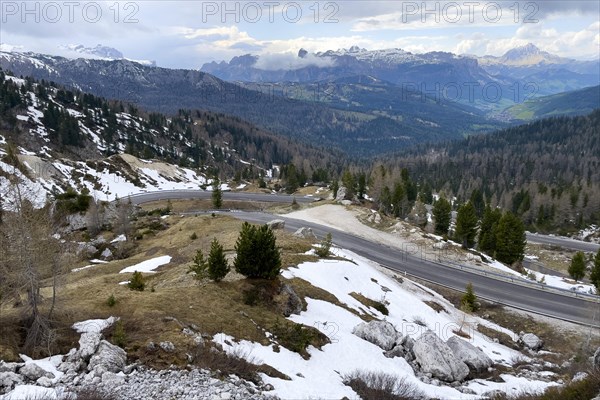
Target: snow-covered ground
<point>551,280</point>
<point>147,266</point>
<point>322,375</point>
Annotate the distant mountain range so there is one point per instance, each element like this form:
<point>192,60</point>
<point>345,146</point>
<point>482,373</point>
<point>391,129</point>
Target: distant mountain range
<point>361,116</point>
<point>484,82</point>
<point>362,102</point>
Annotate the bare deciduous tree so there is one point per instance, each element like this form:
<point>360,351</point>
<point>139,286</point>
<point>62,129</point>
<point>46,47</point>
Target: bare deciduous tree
<point>30,255</point>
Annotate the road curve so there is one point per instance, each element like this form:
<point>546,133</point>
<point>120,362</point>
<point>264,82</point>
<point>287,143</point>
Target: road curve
<point>551,304</point>
<point>141,198</point>
<point>567,243</point>
<point>526,298</point>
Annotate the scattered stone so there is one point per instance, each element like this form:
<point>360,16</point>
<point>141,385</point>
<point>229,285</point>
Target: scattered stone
<point>8,380</point>
<point>45,382</point>
<point>441,245</point>
<point>106,254</point>
<point>580,376</point>
<point>108,358</point>
<point>292,304</point>
<point>475,359</point>
<point>88,344</point>
<point>596,359</point>
<point>169,347</point>
<point>305,233</point>
<point>493,394</point>
<point>380,333</point>
<point>112,379</point>
<point>10,366</point>
<point>276,224</point>
<point>435,357</point>
<point>530,341</point>
<point>76,222</point>
<point>341,194</point>
<point>34,372</point>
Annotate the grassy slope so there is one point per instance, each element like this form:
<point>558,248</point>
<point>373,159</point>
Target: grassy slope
<point>577,102</point>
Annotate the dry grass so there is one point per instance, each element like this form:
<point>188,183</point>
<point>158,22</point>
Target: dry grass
<point>437,307</point>
<point>171,292</point>
<point>556,258</point>
<point>377,305</point>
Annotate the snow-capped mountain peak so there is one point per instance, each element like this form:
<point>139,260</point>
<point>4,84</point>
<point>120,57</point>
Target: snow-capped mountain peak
<point>99,51</point>
<point>529,54</point>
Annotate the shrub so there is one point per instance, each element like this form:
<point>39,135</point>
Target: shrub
<point>325,247</point>
<point>297,337</point>
<point>119,337</point>
<point>379,306</point>
<point>112,301</point>
<point>193,236</point>
<point>257,255</point>
<point>137,282</point>
<point>261,292</point>
<point>381,386</point>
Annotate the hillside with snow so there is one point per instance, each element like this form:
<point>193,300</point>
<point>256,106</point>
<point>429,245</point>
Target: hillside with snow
<point>60,138</point>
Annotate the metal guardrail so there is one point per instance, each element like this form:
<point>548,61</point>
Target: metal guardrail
<point>498,301</point>
<point>521,281</point>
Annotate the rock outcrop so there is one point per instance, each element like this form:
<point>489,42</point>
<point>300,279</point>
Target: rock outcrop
<point>380,333</point>
<point>464,351</point>
<point>530,341</point>
<point>305,233</point>
<point>436,358</point>
<point>276,224</point>
<point>108,358</point>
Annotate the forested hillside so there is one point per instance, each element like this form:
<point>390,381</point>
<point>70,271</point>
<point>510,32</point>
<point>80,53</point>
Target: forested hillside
<point>547,172</point>
<point>54,122</point>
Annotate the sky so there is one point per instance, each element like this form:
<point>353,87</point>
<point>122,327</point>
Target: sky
<point>187,34</point>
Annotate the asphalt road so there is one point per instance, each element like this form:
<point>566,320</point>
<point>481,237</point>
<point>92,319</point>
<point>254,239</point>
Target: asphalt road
<point>551,304</point>
<point>200,194</point>
<point>563,242</point>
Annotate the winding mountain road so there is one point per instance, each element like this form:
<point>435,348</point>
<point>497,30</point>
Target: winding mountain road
<point>564,306</point>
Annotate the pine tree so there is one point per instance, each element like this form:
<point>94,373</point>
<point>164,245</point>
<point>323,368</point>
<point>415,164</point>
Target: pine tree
<point>349,183</point>
<point>199,266</point>
<point>510,239</point>
<point>487,232</point>
<point>217,195</point>
<point>478,202</point>
<point>137,282</point>
<point>335,186</point>
<point>217,263</point>
<point>469,300</point>
<point>466,225</point>
<point>595,274</point>
<point>577,267</point>
<point>442,214</point>
<point>257,255</point>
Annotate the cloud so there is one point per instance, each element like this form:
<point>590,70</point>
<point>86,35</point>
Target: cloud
<point>572,44</point>
<point>291,61</point>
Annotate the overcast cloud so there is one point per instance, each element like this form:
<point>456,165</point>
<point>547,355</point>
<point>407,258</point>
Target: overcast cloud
<point>189,33</point>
